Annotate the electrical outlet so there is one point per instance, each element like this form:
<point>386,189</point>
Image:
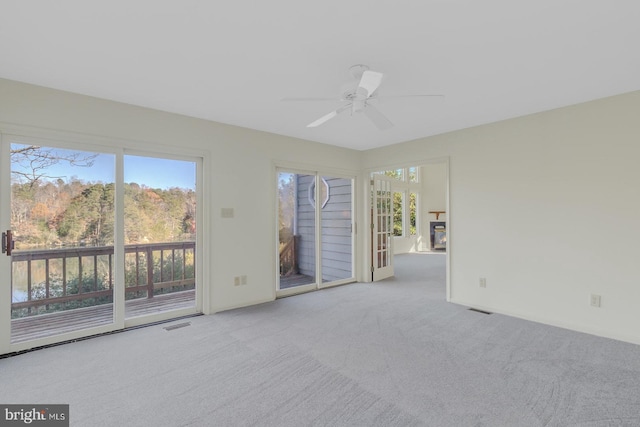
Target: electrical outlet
<point>243,280</point>
<point>483,282</point>
<point>236,281</point>
<point>595,300</point>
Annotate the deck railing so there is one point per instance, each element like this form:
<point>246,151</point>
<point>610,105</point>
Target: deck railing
<point>288,257</point>
<point>80,277</point>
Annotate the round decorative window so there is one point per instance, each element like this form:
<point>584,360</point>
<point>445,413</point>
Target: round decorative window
<point>324,192</point>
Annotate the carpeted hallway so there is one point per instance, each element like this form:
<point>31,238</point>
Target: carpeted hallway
<point>393,353</point>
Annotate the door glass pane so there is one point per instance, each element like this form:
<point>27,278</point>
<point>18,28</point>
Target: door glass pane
<point>384,212</point>
<point>160,234</point>
<point>336,221</point>
<point>296,229</point>
<point>62,217</point>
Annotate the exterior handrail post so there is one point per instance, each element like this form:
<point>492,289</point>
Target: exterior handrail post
<point>149,272</point>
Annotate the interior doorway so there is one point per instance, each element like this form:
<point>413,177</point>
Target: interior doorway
<point>419,205</point>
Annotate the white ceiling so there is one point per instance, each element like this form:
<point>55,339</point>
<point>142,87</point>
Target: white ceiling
<point>233,61</point>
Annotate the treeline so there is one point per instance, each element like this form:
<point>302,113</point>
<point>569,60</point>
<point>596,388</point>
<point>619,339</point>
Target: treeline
<point>76,213</point>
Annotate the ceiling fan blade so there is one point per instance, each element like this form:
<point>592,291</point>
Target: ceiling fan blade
<point>328,117</point>
<point>308,99</point>
<point>377,117</point>
<point>370,81</point>
<point>409,96</point>
<point>323,119</point>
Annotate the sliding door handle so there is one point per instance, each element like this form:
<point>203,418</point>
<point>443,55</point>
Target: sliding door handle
<point>7,242</point>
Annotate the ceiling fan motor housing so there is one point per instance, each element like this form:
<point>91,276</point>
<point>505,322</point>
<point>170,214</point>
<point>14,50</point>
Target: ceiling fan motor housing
<point>351,92</point>
<point>357,70</point>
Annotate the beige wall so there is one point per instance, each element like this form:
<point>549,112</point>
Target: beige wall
<point>546,208</point>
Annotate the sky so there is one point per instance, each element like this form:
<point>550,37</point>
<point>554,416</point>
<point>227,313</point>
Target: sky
<point>150,171</point>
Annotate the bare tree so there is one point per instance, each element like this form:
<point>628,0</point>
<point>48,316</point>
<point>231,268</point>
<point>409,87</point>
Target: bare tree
<point>34,162</point>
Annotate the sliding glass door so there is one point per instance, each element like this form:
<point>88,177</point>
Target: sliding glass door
<point>315,231</point>
<point>60,240</point>
<point>296,230</point>
<point>93,240</point>
<point>160,235</point>
<point>336,226</point>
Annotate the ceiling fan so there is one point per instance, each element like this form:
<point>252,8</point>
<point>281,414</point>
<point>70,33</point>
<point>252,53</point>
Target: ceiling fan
<point>357,96</point>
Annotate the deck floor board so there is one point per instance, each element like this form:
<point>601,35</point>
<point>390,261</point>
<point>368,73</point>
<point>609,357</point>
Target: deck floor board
<point>44,325</point>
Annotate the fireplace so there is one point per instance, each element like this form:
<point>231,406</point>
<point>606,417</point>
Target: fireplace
<point>438,234</point>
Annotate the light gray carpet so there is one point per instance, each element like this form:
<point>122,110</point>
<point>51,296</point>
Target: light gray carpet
<point>387,354</point>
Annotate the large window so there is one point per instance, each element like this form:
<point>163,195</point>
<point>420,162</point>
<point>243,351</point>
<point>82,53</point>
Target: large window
<point>398,213</point>
<point>413,213</point>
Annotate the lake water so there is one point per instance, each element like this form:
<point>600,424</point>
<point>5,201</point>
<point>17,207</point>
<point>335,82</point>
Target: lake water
<point>18,295</point>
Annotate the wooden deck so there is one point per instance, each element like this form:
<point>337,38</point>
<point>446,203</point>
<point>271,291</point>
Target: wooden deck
<point>294,280</point>
<point>29,328</point>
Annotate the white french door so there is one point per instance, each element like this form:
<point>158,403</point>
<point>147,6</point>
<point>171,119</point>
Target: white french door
<point>382,227</point>
<point>315,231</point>
<point>94,240</point>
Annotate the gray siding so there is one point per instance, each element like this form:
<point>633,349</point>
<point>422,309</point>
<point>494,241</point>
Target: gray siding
<point>336,230</point>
